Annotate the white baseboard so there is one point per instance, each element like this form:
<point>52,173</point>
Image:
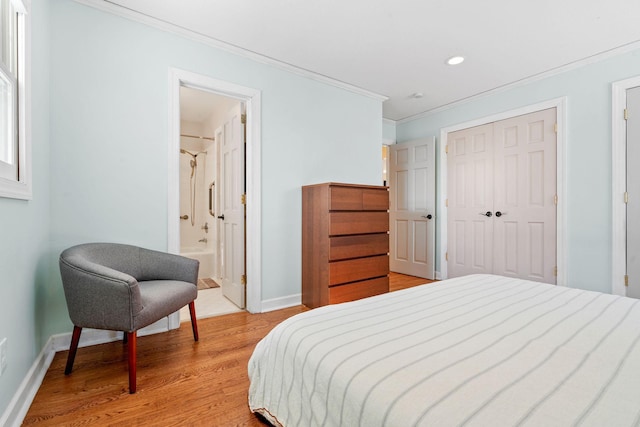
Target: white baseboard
<point>19,405</point>
<point>283,302</point>
<point>438,275</point>
<point>90,337</point>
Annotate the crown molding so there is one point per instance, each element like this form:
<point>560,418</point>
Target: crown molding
<point>629,47</point>
<point>114,9</point>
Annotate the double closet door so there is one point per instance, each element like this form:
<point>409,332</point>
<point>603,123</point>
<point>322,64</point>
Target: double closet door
<point>501,189</point>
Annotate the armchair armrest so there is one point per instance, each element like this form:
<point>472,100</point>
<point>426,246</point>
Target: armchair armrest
<point>89,267</point>
<point>98,296</point>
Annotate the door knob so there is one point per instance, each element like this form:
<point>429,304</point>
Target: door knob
<point>221,217</point>
<point>487,214</point>
<point>429,216</point>
<point>499,214</point>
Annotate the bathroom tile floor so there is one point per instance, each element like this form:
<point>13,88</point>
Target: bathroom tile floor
<point>210,303</point>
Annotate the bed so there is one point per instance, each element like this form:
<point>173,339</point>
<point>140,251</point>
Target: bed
<point>477,350</point>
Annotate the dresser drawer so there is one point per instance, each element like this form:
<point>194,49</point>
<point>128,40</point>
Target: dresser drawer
<point>358,269</point>
<point>375,200</point>
<point>358,199</point>
<point>357,290</point>
<point>345,199</point>
<point>344,247</point>
<point>341,223</point>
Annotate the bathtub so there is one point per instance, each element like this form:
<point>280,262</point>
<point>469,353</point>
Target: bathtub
<point>202,254</point>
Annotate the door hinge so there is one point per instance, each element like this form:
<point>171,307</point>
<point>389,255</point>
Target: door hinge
<point>555,127</point>
<point>446,149</point>
<point>243,279</point>
<point>555,271</point>
<point>243,119</point>
<point>626,280</point>
<point>555,199</point>
<point>626,114</point>
<point>243,199</point>
<point>446,203</point>
<point>446,256</point>
<point>626,197</point>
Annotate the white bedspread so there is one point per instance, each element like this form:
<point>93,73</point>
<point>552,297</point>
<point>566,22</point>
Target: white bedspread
<point>478,350</point>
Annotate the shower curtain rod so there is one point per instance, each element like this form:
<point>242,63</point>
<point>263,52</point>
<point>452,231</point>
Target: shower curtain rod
<point>210,138</point>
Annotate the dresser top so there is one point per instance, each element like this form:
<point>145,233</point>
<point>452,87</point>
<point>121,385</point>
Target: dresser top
<point>341,184</point>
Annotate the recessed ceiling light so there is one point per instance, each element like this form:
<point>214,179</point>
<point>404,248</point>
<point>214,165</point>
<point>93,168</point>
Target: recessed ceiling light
<point>455,60</point>
<point>417,95</point>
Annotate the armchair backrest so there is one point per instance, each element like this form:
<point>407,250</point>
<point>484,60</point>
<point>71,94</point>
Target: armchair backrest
<point>139,263</point>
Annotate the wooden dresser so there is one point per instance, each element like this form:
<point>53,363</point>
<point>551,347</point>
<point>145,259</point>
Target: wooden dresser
<point>345,242</point>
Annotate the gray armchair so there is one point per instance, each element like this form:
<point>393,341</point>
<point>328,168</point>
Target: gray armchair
<point>124,288</point>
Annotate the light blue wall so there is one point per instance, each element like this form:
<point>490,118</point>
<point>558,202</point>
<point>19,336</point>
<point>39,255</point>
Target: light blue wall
<point>588,150</point>
<point>24,246</point>
<point>388,130</point>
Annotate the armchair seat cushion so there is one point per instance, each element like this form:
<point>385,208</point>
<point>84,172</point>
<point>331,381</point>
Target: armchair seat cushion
<point>160,298</point>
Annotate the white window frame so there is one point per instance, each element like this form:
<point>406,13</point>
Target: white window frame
<point>9,170</point>
<point>21,187</point>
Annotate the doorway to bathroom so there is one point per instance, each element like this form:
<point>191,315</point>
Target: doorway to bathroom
<point>211,163</point>
<point>213,193</point>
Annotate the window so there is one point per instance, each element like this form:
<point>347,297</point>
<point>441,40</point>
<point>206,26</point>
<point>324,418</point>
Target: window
<point>15,174</point>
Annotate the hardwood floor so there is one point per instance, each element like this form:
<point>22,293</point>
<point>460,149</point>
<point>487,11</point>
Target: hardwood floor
<point>399,281</point>
<point>180,382</point>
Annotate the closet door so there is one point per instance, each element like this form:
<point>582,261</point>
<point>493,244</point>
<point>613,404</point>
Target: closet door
<point>524,202</point>
<point>501,194</point>
<point>470,194</point>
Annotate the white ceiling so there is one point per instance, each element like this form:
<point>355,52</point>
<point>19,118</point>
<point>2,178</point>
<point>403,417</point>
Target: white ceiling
<point>396,48</point>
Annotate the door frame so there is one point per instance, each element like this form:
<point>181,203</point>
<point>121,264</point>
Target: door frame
<point>561,118</point>
<point>619,183</point>
<point>251,97</point>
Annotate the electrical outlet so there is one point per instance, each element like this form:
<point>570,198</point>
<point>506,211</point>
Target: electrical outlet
<point>3,355</point>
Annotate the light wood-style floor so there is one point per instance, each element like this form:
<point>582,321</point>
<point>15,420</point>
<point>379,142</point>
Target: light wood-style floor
<point>180,382</point>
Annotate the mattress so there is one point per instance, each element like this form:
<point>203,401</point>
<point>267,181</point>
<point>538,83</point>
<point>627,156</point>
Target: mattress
<point>478,350</point>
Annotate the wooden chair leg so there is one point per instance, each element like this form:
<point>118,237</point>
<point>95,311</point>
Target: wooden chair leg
<point>75,339</point>
<point>194,323</point>
<point>131,346</point>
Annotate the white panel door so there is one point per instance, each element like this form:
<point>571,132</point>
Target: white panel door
<point>524,204</point>
<point>633,188</point>
<point>470,201</point>
<point>232,212</point>
<point>412,210</point>
<point>501,195</point>
<point>217,203</point>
